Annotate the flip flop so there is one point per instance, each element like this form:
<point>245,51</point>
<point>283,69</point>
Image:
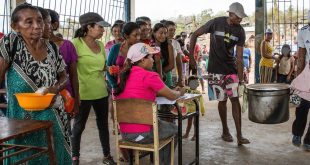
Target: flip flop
<point>227,138</point>
<point>243,141</point>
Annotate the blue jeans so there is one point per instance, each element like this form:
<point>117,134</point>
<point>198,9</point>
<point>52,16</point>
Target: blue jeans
<point>165,130</point>
<point>300,122</point>
<point>282,79</point>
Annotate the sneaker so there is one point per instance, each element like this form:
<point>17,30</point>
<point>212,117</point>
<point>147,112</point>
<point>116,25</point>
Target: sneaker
<point>75,160</point>
<point>296,140</point>
<point>108,160</point>
<point>306,147</point>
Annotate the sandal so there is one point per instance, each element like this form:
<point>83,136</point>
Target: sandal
<point>121,159</point>
<point>227,138</point>
<point>243,141</point>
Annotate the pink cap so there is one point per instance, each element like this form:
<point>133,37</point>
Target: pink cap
<point>138,51</point>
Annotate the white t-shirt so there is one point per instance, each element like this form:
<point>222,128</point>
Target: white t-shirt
<point>176,50</point>
<point>303,40</point>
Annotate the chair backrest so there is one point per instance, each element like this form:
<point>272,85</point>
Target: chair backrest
<point>136,111</point>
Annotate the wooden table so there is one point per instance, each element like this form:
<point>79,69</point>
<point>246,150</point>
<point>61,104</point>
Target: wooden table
<point>179,117</point>
<point>14,128</point>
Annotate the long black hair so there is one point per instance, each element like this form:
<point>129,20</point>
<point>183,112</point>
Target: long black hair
<point>81,32</point>
<point>45,14</point>
<point>164,45</point>
<point>118,23</point>
<point>128,28</point>
<point>124,77</point>
<point>54,15</point>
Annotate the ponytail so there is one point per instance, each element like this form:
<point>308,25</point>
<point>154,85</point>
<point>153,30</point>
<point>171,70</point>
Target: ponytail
<point>123,77</point>
<point>82,31</point>
<point>79,33</point>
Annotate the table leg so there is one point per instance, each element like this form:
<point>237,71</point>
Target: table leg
<point>179,133</point>
<point>197,131</point>
<point>50,145</point>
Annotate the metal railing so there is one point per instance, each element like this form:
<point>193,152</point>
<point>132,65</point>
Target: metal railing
<point>69,12</point>
<point>285,18</point>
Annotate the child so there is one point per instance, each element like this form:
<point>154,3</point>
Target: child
<point>193,83</point>
<point>286,65</point>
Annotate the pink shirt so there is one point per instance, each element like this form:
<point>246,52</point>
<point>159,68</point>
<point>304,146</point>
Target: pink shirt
<point>108,46</point>
<point>141,84</point>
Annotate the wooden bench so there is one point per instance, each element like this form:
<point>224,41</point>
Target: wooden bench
<point>14,128</point>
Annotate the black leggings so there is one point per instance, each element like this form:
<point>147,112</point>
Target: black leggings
<point>300,122</point>
<point>101,110</point>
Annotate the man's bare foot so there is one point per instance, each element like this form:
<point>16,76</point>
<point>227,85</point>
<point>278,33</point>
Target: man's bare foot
<point>193,138</point>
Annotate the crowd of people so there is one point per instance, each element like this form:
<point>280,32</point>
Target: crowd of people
<point>140,62</point>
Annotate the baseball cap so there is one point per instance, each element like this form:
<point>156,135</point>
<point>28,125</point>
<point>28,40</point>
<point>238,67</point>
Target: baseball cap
<point>268,31</point>
<point>92,17</point>
<point>139,50</point>
<point>237,8</point>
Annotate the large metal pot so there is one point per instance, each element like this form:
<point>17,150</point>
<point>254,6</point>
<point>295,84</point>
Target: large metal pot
<point>268,103</point>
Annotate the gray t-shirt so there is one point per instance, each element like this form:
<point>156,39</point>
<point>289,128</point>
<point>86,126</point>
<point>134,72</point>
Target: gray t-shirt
<point>223,38</point>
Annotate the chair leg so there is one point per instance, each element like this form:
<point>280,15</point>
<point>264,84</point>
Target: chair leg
<point>156,157</point>
<point>172,151</point>
<point>136,157</point>
<point>117,156</point>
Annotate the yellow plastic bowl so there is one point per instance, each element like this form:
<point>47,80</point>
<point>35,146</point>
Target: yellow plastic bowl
<point>34,101</point>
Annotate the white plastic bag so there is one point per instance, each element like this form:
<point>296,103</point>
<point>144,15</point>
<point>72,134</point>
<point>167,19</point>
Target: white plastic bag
<point>245,103</point>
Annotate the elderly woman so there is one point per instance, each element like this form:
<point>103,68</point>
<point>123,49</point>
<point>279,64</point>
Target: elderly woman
<point>92,85</point>
<point>137,80</point>
<point>31,62</point>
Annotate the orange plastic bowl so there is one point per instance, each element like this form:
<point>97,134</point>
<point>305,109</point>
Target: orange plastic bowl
<point>34,101</point>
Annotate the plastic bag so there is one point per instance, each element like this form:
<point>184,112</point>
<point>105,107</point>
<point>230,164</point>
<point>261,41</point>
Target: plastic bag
<point>68,100</point>
<point>245,103</point>
<point>241,89</point>
<point>41,90</point>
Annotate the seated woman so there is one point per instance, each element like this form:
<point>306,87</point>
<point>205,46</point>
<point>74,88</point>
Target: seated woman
<point>139,81</point>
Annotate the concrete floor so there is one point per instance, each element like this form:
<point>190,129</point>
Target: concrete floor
<point>270,144</point>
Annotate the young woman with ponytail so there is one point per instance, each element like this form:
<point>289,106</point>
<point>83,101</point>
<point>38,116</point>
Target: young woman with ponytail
<point>92,85</point>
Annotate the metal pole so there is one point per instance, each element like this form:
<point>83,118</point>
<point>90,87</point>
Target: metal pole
<point>127,9</point>
<point>260,8</point>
